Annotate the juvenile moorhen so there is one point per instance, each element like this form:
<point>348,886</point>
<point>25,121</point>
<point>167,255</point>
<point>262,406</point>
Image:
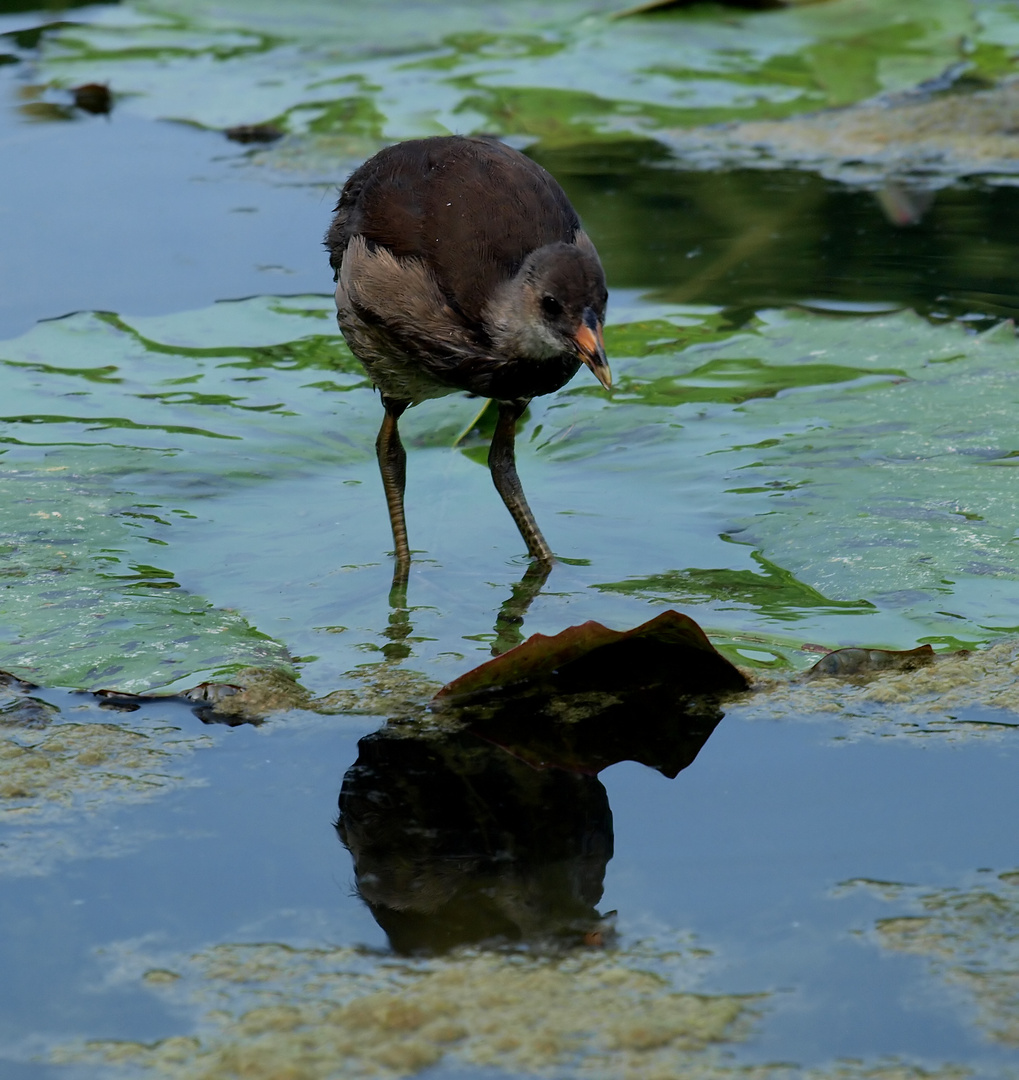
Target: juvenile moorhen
<point>461,265</point>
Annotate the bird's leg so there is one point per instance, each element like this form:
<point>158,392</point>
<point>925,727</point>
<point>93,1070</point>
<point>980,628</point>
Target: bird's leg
<point>393,466</point>
<point>502,463</point>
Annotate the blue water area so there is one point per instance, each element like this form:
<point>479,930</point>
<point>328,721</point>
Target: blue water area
<point>123,214</point>
<point>744,851</point>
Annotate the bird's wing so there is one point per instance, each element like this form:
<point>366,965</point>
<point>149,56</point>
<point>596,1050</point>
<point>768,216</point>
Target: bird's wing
<point>400,296</point>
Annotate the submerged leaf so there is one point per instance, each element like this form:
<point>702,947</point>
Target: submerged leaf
<point>846,662</point>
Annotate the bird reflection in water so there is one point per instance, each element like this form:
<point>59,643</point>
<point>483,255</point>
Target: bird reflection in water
<point>498,832</point>
<point>399,631</point>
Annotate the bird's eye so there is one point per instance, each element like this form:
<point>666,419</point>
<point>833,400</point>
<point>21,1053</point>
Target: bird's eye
<point>551,306</point>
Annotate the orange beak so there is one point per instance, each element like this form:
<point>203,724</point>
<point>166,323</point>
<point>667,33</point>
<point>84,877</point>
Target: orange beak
<point>591,348</point>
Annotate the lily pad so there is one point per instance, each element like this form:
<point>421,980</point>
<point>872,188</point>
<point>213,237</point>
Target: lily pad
<point>78,607</point>
<point>565,74</point>
<point>803,467</point>
<point>749,5</point>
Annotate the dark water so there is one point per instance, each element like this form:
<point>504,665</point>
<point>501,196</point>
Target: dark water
<point>749,239</point>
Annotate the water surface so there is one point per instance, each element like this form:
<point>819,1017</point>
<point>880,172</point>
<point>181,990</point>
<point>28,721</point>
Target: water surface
<point>809,442</point>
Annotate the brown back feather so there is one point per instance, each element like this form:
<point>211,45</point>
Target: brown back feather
<point>472,209</point>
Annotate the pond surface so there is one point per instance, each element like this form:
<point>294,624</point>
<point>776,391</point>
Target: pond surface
<point>809,445</point>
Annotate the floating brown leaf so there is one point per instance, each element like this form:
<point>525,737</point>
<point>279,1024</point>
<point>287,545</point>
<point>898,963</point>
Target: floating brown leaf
<point>662,5</point>
<point>670,649</point>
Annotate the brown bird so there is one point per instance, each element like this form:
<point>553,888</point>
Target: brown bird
<point>461,265</point>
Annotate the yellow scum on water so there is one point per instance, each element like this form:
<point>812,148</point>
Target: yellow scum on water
<point>969,938</point>
<point>69,760</point>
<point>921,701</point>
<point>48,776</point>
<point>304,1014</point>
<point>51,770</point>
<point>275,1013</point>
<point>943,136</point>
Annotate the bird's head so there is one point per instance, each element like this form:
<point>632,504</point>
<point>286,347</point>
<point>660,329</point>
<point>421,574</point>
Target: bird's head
<point>555,306</point>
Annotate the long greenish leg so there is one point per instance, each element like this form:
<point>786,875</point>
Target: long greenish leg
<point>502,463</point>
<point>393,466</point>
